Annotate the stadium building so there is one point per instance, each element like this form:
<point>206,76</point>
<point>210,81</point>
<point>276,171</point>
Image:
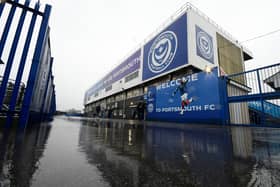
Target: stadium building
<point>143,86</point>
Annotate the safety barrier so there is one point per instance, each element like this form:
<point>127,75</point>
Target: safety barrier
<point>8,95</point>
<point>254,96</point>
<point>37,98</point>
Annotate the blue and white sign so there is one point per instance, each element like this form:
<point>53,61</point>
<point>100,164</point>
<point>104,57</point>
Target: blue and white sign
<point>204,45</point>
<point>130,65</point>
<point>198,101</point>
<point>162,52</point>
<point>167,51</point>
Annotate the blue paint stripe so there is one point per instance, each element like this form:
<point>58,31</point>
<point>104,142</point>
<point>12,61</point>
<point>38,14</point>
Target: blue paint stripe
<point>253,70</point>
<point>23,61</point>
<point>254,97</point>
<point>269,108</point>
<point>46,87</point>
<point>34,67</point>
<point>12,54</point>
<point>53,103</point>
<point>7,28</point>
<point>2,6</point>
<point>48,107</point>
<point>53,106</point>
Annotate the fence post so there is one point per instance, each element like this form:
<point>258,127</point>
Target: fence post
<point>42,37</point>
<point>2,8</point>
<point>22,63</point>
<point>261,94</point>
<point>12,54</point>
<point>46,87</point>
<point>2,45</point>
<point>224,98</point>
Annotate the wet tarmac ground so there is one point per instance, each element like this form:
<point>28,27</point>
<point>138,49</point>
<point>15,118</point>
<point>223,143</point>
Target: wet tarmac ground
<point>74,152</point>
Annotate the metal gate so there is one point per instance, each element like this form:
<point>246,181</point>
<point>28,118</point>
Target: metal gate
<point>27,88</point>
<point>253,97</point>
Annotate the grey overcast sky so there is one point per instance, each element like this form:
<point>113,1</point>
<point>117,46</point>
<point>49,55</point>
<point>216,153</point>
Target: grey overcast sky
<point>90,37</point>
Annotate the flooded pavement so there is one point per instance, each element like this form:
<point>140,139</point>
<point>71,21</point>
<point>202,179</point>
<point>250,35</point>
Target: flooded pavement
<point>69,152</point>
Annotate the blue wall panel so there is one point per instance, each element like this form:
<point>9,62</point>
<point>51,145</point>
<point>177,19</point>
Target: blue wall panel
<point>166,51</point>
<point>206,106</point>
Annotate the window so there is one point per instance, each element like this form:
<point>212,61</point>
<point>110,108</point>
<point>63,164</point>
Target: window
<point>135,92</point>
<point>120,97</point>
<point>145,89</point>
<point>120,112</point>
<point>108,88</point>
<point>110,99</point>
<point>131,76</point>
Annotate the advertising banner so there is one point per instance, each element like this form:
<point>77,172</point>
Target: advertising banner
<point>167,50</point>
<point>128,66</point>
<point>196,100</point>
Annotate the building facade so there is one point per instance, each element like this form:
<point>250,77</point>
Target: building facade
<point>188,44</point>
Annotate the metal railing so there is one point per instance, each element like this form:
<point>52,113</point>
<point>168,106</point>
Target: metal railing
<point>254,96</point>
<point>8,95</point>
<point>259,81</point>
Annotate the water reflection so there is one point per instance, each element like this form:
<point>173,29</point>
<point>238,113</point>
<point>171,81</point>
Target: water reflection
<point>133,155</point>
<point>266,150</point>
<point>20,153</point>
<point>121,153</point>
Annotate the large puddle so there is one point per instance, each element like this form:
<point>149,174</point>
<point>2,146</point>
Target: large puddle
<point>69,152</point>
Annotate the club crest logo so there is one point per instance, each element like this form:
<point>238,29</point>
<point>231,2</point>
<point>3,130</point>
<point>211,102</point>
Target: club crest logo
<point>162,51</point>
<point>204,45</point>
